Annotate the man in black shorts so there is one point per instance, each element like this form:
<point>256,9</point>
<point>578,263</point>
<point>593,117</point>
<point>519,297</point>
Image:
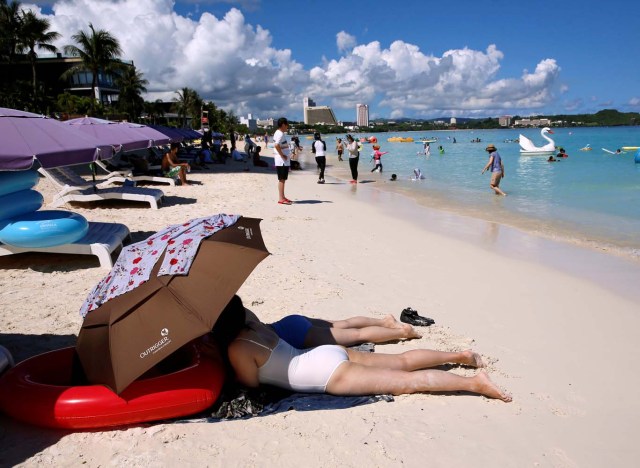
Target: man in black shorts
<point>281,158</point>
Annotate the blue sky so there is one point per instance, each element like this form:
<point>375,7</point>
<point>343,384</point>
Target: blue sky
<point>419,59</point>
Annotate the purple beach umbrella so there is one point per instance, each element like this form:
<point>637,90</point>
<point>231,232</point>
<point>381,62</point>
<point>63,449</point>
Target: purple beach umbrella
<point>110,133</point>
<point>157,138</point>
<point>172,133</point>
<point>26,137</point>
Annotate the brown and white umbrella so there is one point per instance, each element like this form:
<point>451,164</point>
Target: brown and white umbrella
<point>136,318</point>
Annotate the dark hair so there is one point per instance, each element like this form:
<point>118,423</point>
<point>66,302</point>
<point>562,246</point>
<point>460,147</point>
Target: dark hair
<point>316,136</point>
<point>175,145</point>
<point>229,323</point>
<point>282,121</point>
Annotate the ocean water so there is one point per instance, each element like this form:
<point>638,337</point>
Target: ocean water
<point>591,197</point>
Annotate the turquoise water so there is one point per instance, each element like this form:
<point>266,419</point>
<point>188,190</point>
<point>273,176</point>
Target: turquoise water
<point>591,197</point>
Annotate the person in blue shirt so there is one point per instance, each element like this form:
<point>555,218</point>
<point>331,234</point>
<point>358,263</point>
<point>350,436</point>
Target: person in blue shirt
<point>497,169</point>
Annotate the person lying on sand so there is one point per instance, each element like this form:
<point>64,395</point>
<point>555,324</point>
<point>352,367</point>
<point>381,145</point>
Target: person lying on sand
<point>305,332</point>
<point>258,356</point>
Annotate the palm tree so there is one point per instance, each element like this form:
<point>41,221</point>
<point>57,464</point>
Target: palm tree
<point>98,51</point>
<point>9,27</point>
<point>154,110</point>
<point>188,104</point>
<point>34,32</point>
<point>132,84</point>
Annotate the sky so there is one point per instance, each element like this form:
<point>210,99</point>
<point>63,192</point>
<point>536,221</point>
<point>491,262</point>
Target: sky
<point>414,58</point>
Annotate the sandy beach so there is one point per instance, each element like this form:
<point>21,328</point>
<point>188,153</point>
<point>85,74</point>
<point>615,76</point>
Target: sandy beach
<point>556,323</point>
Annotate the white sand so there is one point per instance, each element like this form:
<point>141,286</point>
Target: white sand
<point>563,345</point>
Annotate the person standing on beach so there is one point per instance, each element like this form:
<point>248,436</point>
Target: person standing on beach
<point>281,157</point>
<point>497,169</point>
<point>354,157</point>
<point>318,148</point>
<point>339,148</point>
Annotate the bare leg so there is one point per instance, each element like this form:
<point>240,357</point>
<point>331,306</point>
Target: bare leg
<point>183,175</point>
<point>354,379</point>
<point>281,190</point>
<point>496,189</point>
<point>317,336</point>
<point>415,359</point>
<point>360,322</point>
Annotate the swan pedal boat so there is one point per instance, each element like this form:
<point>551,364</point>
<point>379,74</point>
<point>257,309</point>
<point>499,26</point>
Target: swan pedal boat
<point>528,148</point>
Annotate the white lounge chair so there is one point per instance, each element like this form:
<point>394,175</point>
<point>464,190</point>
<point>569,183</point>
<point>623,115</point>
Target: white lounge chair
<point>126,174</point>
<point>73,188</point>
<point>101,240</point>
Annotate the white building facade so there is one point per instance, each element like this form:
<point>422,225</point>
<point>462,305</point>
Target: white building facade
<point>362,115</point>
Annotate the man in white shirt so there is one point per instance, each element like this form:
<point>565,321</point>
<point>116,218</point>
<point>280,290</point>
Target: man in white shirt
<point>318,148</point>
<point>281,158</point>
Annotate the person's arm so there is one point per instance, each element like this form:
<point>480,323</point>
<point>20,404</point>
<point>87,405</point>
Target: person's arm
<point>279,150</point>
<point>175,162</point>
<point>244,365</point>
<point>488,164</point>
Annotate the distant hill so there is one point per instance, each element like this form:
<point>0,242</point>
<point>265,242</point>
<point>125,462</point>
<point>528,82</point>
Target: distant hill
<point>605,117</point>
<point>436,119</point>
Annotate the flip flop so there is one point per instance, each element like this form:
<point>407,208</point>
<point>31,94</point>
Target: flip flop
<point>284,202</point>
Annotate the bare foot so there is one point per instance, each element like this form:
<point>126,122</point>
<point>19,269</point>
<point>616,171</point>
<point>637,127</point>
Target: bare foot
<point>471,358</point>
<point>390,321</point>
<point>410,332</point>
<point>485,386</point>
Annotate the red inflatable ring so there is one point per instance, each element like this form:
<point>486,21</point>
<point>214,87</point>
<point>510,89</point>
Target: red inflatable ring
<point>41,391</point>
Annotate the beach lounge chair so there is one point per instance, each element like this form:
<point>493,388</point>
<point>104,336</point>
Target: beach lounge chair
<point>123,175</point>
<point>73,188</point>
<point>101,240</point>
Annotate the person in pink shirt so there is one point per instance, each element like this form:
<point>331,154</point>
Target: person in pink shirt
<point>377,157</point>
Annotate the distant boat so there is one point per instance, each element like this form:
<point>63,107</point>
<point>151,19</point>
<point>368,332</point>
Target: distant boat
<point>400,139</point>
<point>527,147</point>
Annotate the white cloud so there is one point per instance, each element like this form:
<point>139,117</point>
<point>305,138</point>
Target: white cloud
<point>345,41</point>
<point>235,65</point>
<point>225,59</point>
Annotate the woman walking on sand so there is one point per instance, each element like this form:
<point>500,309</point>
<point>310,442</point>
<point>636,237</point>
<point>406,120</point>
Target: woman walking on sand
<point>354,157</point>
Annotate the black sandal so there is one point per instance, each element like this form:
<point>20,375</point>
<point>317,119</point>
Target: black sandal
<point>411,317</point>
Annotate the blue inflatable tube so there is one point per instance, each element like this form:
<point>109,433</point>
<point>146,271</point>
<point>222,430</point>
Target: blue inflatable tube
<point>637,157</point>
<point>45,228</point>
<point>15,181</point>
<point>18,203</point>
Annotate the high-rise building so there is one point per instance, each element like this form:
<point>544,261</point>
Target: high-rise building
<point>362,115</point>
<point>505,121</point>
<point>317,114</point>
<point>307,102</point>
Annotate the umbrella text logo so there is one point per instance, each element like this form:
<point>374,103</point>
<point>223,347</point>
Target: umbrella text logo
<point>164,341</point>
<point>248,232</point>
